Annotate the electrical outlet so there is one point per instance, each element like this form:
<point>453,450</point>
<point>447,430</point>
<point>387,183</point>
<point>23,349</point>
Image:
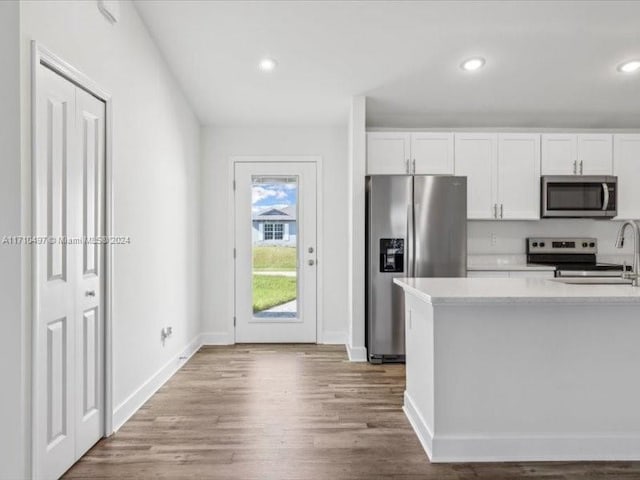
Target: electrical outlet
<point>494,239</point>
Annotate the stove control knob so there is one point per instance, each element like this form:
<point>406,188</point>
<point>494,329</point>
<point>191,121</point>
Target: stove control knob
<point>535,244</point>
<point>542,244</point>
<point>592,244</point>
<point>584,245</point>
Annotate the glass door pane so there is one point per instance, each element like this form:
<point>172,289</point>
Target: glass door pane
<point>274,213</point>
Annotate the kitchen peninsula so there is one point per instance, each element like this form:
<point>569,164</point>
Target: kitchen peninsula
<point>522,369</point>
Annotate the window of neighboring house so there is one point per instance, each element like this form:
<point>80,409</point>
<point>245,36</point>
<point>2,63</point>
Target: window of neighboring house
<point>273,231</point>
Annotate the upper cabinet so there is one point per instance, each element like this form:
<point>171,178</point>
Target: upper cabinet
<point>409,153</point>
<point>626,166</point>
<point>432,153</point>
<point>388,153</point>
<point>519,176</point>
<point>477,159</point>
<point>503,174</point>
<point>577,154</point>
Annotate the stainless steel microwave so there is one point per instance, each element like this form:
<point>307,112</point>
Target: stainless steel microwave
<point>579,196</point>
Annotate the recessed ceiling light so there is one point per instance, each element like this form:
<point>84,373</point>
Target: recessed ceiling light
<point>267,64</point>
<point>630,67</point>
<point>473,64</point>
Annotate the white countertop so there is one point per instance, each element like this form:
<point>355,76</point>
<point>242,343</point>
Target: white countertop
<point>514,290</point>
<point>503,263</point>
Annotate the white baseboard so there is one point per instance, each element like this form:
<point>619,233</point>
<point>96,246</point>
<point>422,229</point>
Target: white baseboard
<point>425,436</point>
<point>132,404</point>
<point>334,338</point>
<point>217,338</point>
<point>356,354</point>
<point>530,448</point>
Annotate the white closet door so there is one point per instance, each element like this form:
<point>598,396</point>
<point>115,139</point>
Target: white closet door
<point>89,314</point>
<point>69,214</point>
<point>57,187</point>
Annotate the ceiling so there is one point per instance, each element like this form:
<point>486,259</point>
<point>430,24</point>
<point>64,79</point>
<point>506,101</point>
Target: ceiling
<point>549,64</point>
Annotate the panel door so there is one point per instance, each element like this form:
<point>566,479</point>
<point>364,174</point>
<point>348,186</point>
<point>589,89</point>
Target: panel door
<point>519,176</point>
<point>388,153</point>
<point>89,286</point>
<point>595,154</point>
<point>559,154</point>
<point>57,185</point>
<point>275,276</point>
<point>626,166</point>
<point>476,158</point>
<point>432,153</point>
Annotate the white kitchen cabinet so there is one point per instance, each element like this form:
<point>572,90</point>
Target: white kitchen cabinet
<point>518,176</point>
<point>388,153</point>
<point>577,154</point>
<point>420,153</point>
<point>432,153</point>
<point>487,274</point>
<point>476,158</point>
<point>626,166</point>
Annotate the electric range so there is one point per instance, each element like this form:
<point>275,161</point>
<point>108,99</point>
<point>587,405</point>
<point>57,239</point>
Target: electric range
<point>572,257</point>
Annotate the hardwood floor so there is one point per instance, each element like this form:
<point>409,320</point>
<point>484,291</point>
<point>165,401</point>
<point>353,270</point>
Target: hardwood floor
<point>290,412</point>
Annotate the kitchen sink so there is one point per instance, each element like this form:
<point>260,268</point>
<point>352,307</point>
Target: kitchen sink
<point>593,280</point>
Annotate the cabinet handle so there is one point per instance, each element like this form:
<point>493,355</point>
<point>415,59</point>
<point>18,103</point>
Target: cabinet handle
<point>575,167</point>
<point>502,210</point>
<point>407,165</point>
<point>495,210</point>
<point>414,166</point>
<point>581,167</point>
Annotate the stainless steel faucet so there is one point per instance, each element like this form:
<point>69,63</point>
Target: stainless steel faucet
<point>635,274</point>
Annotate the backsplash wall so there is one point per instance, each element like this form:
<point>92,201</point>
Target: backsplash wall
<point>509,236</point>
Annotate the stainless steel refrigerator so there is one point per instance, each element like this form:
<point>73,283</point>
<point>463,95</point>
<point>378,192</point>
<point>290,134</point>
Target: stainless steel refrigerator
<point>416,227</point>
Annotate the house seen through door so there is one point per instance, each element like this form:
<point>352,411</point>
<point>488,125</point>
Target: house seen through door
<point>275,251</point>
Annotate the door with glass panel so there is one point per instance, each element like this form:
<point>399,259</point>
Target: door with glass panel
<point>275,256</point>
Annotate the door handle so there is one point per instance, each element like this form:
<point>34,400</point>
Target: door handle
<point>605,195</point>
<point>90,293</point>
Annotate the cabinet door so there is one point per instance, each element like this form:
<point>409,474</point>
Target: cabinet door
<point>559,154</point>
<point>626,166</point>
<point>432,153</point>
<point>519,176</point>
<point>476,158</point>
<point>388,153</point>
<point>595,154</point>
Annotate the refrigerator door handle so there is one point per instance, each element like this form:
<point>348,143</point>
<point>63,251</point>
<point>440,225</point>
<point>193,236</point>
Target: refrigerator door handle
<point>410,242</point>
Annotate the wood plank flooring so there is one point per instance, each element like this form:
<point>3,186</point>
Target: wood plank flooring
<point>291,412</point>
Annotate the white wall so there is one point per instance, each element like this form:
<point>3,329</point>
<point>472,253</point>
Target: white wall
<point>156,161</point>
<point>510,236</point>
<point>12,409</point>
<point>219,144</point>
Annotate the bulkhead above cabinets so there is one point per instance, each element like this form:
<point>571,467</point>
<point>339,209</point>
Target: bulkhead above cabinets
<point>503,170</point>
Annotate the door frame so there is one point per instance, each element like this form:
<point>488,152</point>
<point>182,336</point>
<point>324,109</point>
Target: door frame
<point>42,56</point>
<point>317,160</point>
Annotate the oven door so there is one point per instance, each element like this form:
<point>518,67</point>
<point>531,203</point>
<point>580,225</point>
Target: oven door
<point>579,196</point>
